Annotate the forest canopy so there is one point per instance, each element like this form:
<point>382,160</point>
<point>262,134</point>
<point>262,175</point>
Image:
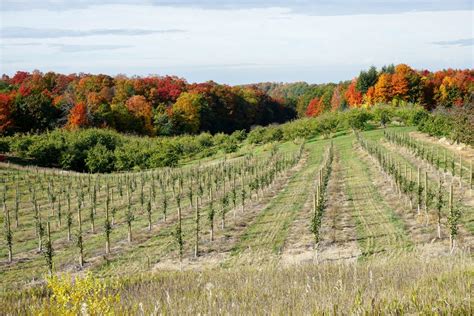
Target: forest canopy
<point>167,105</point>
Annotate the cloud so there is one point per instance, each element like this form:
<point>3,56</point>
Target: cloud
<point>311,7</point>
<point>27,32</point>
<point>67,48</point>
<point>459,42</point>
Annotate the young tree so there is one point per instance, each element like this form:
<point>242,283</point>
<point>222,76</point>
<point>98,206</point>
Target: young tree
<point>148,211</point>
<point>80,242</point>
<point>8,232</point>
<point>107,224</point>
<point>178,233</point>
<point>453,218</point>
<point>129,218</point>
<point>439,207</point>
<point>49,252</point>
<point>197,218</point>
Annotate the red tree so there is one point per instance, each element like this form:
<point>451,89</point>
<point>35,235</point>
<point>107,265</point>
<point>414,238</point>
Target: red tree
<point>315,107</point>
<point>5,112</point>
<point>353,96</point>
<point>78,116</point>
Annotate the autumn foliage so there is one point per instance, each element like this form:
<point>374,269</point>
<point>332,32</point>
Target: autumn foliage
<point>353,96</point>
<point>77,116</point>
<point>168,105</point>
<point>315,108</point>
<point>5,112</point>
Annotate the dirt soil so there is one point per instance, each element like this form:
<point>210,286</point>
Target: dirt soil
<point>466,151</point>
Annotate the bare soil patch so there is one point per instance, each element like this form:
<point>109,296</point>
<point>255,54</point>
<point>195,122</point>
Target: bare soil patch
<point>465,150</point>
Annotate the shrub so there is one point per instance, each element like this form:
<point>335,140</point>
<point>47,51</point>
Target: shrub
<point>165,155</point>
<point>456,124</point>
<point>131,156</point>
<point>358,118</point>
<point>46,151</point>
<point>256,135</point>
<point>78,296</point>
<point>100,159</point>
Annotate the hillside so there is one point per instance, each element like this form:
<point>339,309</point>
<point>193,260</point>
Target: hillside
<point>350,220</point>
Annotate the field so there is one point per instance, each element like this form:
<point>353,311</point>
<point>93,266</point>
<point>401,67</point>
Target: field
<point>378,222</point>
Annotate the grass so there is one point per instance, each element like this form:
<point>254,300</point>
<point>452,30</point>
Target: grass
<point>379,228</point>
<point>406,284</point>
<point>413,163</point>
<point>394,274</point>
<point>267,234</point>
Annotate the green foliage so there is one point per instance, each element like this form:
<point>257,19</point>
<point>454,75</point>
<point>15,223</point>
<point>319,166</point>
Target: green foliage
<point>100,159</point>
<point>358,119</point>
<point>367,79</point>
<point>455,124</point>
<point>95,150</point>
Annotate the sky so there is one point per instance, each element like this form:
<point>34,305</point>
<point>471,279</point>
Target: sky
<point>234,42</point>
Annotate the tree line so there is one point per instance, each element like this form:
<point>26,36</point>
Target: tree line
<point>396,85</point>
<point>153,105</point>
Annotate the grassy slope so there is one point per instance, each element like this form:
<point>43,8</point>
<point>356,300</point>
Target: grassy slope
<point>405,282</point>
<point>400,155</point>
<point>266,236</point>
<point>379,228</point>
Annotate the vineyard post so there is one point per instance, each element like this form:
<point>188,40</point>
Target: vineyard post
<point>460,171</point>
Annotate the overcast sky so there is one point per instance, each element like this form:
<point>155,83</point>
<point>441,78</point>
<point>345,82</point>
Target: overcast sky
<point>235,41</point>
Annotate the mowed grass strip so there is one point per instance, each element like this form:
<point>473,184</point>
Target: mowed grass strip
<point>264,239</point>
<point>379,228</point>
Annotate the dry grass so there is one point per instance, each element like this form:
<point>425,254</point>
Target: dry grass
<point>408,284</point>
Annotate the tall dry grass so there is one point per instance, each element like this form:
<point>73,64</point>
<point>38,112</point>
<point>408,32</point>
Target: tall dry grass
<point>388,285</point>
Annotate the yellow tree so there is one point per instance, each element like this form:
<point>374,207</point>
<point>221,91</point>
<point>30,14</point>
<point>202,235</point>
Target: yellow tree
<point>186,112</point>
<point>369,98</point>
<point>383,88</point>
